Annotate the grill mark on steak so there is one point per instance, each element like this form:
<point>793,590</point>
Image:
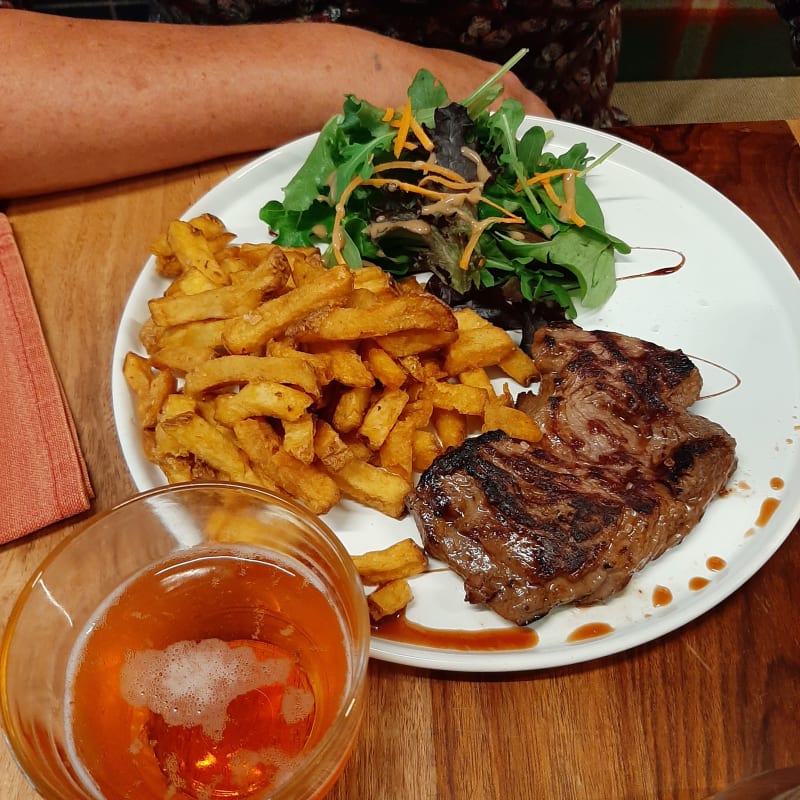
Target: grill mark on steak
<point>623,472</point>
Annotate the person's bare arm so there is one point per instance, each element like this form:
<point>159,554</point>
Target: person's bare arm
<point>88,101</point>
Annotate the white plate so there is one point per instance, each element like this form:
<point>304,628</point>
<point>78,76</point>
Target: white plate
<point>734,304</point>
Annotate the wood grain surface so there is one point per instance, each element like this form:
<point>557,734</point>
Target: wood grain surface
<point>675,719</point>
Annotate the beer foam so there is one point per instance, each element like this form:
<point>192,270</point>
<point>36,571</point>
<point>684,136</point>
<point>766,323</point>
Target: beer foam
<point>296,704</point>
<point>192,682</point>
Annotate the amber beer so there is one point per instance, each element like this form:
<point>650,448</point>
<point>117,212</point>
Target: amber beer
<point>209,675</point>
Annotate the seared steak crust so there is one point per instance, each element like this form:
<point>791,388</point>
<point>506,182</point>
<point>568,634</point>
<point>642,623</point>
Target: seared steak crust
<point>622,473</point>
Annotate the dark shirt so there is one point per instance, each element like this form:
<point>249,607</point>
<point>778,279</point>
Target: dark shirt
<point>574,44</point>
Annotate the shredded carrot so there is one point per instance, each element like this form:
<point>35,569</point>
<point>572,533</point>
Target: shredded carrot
<point>402,130</point>
<point>388,115</point>
<point>545,176</point>
<point>423,166</point>
<point>551,193</point>
<point>422,137</point>
<point>570,213</point>
<point>477,232</point>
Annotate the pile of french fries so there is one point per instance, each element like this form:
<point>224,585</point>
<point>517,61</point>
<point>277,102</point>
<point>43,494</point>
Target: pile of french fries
<point>265,367</point>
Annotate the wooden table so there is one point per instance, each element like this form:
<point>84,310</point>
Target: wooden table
<point>678,718</point>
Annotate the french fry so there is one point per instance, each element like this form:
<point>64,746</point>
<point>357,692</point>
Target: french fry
<point>351,408</point>
<point>425,448</point>
<point>191,435</point>
<point>298,438</point>
<point>305,482</point>
<point>238,370</point>
<point>329,447</point>
<point>192,250</point>
<point>382,415</point>
<point>384,367</point>
<point>514,422</point>
<point>373,486</point>
<point>389,599</point>
<point>390,315</point>
<point>411,343</point>
<point>396,452</point>
<point>263,399</point>
<point>400,560</point>
<point>246,333</point>
<point>225,301</point>
<point>519,366</point>
<point>477,347</point>
<point>450,426</point>
<point>150,388</point>
<point>456,397</point>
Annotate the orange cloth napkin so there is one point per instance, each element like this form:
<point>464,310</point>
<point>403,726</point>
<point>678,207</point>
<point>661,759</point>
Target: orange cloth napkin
<point>43,477</point>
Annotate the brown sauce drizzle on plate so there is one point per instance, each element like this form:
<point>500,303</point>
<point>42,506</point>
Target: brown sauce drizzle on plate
<point>716,564</point>
<point>768,508</point>
<point>662,596</point>
<point>776,483</point>
<point>400,629</point>
<point>696,584</point>
<point>592,630</point>
<point>661,270</point>
<point>737,381</point>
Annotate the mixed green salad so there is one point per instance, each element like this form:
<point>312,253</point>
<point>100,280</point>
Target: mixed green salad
<point>452,189</point>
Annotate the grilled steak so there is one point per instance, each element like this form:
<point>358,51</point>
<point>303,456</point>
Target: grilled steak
<point>622,473</point>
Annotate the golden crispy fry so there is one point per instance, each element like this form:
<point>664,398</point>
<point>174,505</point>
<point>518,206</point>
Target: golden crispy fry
<point>298,438</point>
<point>519,366</point>
<point>382,415</point>
<point>350,409</point>
<point>456,397</point>
<point>477,347</point>
<point>150,388</point>
<point>384,367</point>
<point>201,334</point>
<point>373,486</point>
<point>305,482</point>
<point>263,399</point>
<point>390,315</point>
<point>389,599</point>
<point>418,412</point>
<point>348,369</point>
<point>396,453</point>
<point>225,301</point>
<point>410,343</point>
<point>192,250</point>
<point>478,377</point>
<point>176,404</point>
<point>247,332</point>
<point>306,264</point>
<point>190,281</point>
<point>181,358</point>
<point>375,280</point>
<point>514,422</point>
<point>425,447</point>
<point>238,370</point>
<point>329,447</point>
<point>401,560</point>
<point>450,426</point>
<point>191,435</point>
